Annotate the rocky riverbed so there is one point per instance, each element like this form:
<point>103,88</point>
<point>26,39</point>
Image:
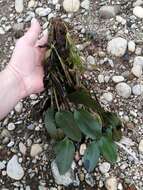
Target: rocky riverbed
<point>110,39</point>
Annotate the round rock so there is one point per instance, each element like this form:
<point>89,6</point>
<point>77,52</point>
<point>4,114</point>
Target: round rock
<point>111,183</point>
<point>131,46</point>
<point>71,5</point>
<point>138,11</point>
<point>108,96</point>
<point>123,90</point>
<point>104,167</point>
<point>22,148</point>
<point>19,6</point>
<point>109,11</point>
<point>117,79</point>
<point>18,107</point>
<point>117,47</point>
<point>137,89</point>
<point>14,169</point>
<point>138,61</point>
<point>82,149</point>
<point>85,4</point>
<point>137,70</point>
<point>141,146</point>
<point>11,126</point>
<point>42,11</point>
<point>35,150</point>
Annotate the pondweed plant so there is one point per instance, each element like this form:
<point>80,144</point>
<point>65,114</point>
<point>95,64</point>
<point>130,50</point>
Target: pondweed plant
<point>70,112</point>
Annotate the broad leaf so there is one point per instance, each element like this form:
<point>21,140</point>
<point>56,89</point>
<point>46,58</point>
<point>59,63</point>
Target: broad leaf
<point>108,149</point>
<point>65,120</point>
<point>82,96</point>
<point>64,155</point>
<point>88,125</point>
<point>91,156</point>
<point>112,121</point>
<point>50,123</point>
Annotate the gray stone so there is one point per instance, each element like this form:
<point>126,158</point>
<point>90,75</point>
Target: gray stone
<point>35,150</point>
<point>2,31</point>
<point>14,169</point>
<point>71,6</point>
<point>137,89</point>
<point>109,11</point>
<point>89,180</point>
<point>2,165</point>
<point>111,183</point>
<point>123,90</point>
<point>137,70</point>
<point>42,11</point>
<point>90,62</point>
<point>117,79</point>
<point>104,167</point>
<point>18,107</point>
<point>19,6</point>
<point>22,148</point>
<point>108,96</point>
<point>141,146</point>
<point>138,11</point>
<point>138,3</point>
<point>11,126</point>
<point>138,61</point>
<point>82,149</point>
<point>66,179</point>
<point>55,2</point>
<point>101,78</point>
<point>131,46</point>
<point>117,47</point>
<point>85,4</point>
<point>31,3</point>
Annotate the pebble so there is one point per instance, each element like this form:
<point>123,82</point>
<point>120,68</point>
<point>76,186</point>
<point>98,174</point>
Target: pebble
<point>104,167</point>
<point>66,179</point>
<point>123,90</point>
<point>22,148</point>
<point>131,46</point>
<point>121,20</point>
<point>89,180</point>
<point>31,3</point>
<point>35,150</point>
<point>11,126</point>
<point>137,89</point>
<point>2,31</point>
<point>42,11</point>
<point>117,47</point>
<point>137,70</point>
<point>109,11</point>
<point>108,96</point>
<point>138,11</point>
<point>85,4</point>
<point>141,146</point>
<point>14,169</point>
<point>138,3</point>
<point>54,2</point>
<point>2,165</point>
<point>101,78</point>
<point>90,61</point>
<point>111,183</point>
<point>138,61</point>
<point>71,5</point>
<point>117,79</point>
<point>10,144</point>
<point>120,186</point>
<point>82,149</point>
<point>18,108</point>
<point>19,6</point>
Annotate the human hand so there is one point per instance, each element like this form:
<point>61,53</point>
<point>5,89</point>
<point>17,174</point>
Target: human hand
<point>26,61</point>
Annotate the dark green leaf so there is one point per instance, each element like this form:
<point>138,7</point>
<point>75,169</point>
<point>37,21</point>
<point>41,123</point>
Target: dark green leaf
<point>82,96</point>
<point>64,155</point>
<point>91,156</point>
<point>108,149</point>
<point>112,121</point>
<point>65,120</point>
<point>50,122</point>
<point>88,125</point>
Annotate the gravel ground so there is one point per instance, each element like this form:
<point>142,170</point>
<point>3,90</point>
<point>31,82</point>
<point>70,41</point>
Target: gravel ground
<point>111,43</point>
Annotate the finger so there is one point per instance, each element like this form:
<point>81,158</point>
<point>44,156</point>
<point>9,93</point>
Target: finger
<point>33,33</point>
<point>42,41</point>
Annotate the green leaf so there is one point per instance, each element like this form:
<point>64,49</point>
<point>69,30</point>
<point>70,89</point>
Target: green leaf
<point>50,123</point>
<point>90,126</point>
<point>64,155</point>
<point>82,96</point>
<point>108,149</point>
<point>91,156</point>
<point>65,120</point>
<point>112,121</point>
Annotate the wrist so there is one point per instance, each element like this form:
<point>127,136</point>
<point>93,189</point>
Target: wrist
<point>17,81</point>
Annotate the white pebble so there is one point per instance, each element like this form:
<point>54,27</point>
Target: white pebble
<point>111,183</point>
<point>22,148</point>
<point>85,4</point>
<point>42,11</point>
<point>138,11</point>
<point>131,46</point>
<point>141,146</point>
<point>71,5</point>
<point>104,167</point>
<point>11,126</point>
<point>18,108</point>
<point>108,96</point>
<point>35,150</point>
<point>123,90</point>
<point>137,89</point>
<point>117,79</point>
<point>82,149</point>
<point>137,70</point>
<point>101,78</point>
<point>19,6</point>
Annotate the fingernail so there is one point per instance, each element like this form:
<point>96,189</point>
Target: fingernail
<point>34,20</point>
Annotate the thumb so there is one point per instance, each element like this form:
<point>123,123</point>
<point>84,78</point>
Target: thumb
<point>33,33</point>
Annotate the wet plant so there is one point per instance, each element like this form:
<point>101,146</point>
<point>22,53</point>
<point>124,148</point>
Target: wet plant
<point>71,113</point>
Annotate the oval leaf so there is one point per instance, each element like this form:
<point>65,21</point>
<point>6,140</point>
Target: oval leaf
<point>65,120</point>
<point>64,155</point>
<point>108,149</point>
<point>88,125</point>
<point>50,123</point>
<point>91,156</point>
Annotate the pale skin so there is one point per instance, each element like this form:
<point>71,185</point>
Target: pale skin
<point>23,75</point>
